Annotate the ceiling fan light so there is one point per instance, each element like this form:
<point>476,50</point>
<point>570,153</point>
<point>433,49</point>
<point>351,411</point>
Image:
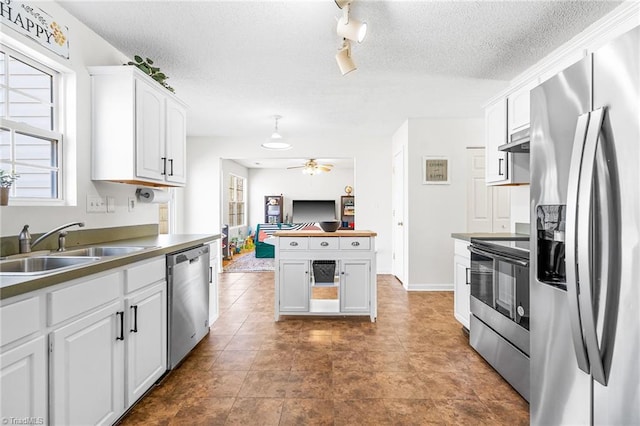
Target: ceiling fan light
<point>343,58</point>
<point>351,29</point>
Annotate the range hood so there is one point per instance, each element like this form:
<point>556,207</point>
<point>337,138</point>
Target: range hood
<point>519,143</point>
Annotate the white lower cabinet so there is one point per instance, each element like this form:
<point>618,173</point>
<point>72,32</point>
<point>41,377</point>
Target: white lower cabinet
<point>23,381</point>
<point>214,308</point>
<point>355,286</point>
<point>294,286</point>
<point>462,291</point>
<point>107,345</point>
<point>146,339</point>
<point>87,369</point>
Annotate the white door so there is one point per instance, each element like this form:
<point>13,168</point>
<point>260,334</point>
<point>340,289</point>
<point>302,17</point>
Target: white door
<point>87,369</point>
<point>397,185</point>
<point>355,286</point>
<point>146,337</point>
<point>150,132</point>
<point>479,195</point>
<point>176,147</point>
<point>23,382</point>
<point>294,285</point>
<point>501,208</point>
<point>496,135</point>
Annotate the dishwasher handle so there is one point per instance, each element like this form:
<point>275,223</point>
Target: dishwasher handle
<point>191,255</point>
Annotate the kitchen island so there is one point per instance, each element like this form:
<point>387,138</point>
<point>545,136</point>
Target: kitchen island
<point>325,273</point>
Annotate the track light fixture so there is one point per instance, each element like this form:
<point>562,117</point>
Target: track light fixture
<point>276,142</point>
<point>349,30</point>
<point>343,57</point>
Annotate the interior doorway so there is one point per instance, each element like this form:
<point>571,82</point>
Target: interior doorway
<point>398,194</point>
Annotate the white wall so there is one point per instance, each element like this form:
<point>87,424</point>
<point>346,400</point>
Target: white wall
<point>436,211</point>
<point>519,205</point>
<point>294,185</point>
<point>372,171</point>
<point>86,49</point>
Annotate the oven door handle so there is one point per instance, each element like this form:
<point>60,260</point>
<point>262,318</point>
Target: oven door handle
<point>518,262</point>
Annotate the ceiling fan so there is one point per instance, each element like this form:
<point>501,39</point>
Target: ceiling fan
<point>312,167</point>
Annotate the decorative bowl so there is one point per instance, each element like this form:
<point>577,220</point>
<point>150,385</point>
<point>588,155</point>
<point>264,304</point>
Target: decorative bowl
<point>330,225</point>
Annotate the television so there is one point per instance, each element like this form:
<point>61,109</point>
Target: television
<point>313,210</point>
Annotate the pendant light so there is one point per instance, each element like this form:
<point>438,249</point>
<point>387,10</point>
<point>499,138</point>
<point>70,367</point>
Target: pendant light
<point>276,142</point>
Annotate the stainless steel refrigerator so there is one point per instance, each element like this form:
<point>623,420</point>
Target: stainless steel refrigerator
<point>585,258</point>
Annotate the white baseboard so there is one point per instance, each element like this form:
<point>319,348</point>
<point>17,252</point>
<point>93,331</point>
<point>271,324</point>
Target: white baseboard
<point>430,287</point>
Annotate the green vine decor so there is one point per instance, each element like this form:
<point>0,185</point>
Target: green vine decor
<point>146,66</point>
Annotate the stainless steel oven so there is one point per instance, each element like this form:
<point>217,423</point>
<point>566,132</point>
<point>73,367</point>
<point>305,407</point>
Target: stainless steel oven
<point>499,328</point>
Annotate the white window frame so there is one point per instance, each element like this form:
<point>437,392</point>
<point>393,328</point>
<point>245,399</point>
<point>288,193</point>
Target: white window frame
<point>22,128</point>
<point>232,196</point>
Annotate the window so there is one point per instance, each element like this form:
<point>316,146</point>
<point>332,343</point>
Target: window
<point>30,142</point>
<point>236,200</point>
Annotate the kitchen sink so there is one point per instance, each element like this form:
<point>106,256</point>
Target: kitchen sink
<point>102,251</point>
<point>42,264</point>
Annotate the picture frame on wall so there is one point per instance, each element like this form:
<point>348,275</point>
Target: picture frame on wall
<point>435,170</point>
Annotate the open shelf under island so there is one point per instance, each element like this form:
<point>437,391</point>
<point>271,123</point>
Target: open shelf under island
<point>325,273</point>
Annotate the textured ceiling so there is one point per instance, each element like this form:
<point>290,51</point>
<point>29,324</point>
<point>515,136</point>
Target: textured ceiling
<point>236,64</point>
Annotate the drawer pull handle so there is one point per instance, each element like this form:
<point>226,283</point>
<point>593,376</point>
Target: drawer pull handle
<point>135,319</point>
<point>355,243</point>
<point>121,315</point>
<point>468,276</point>
<point>324,244</point>
<point>293,243</point>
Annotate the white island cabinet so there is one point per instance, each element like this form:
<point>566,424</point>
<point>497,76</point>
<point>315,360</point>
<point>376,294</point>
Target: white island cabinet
<point>461,278</point>
<point>325,273</point>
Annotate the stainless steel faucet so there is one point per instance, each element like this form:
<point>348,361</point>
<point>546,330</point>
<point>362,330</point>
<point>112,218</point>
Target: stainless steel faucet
<point>25,238</point>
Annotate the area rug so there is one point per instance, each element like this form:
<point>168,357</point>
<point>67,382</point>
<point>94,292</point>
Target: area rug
<point>249,263</point>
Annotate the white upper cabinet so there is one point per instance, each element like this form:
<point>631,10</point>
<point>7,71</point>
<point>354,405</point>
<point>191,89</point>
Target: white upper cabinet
<point>139,129</point>
<point>496,135</point>
<point>518,105</point>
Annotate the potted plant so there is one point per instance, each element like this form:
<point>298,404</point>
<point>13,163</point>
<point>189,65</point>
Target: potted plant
<point>146,66</point>
<point>6,180</point>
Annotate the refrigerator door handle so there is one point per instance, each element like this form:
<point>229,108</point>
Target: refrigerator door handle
<point>585,199</point>
<point>571,242</point>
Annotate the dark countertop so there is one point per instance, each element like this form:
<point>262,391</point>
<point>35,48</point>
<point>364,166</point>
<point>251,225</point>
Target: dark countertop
<point>487,236</point>
<point>159,245</point>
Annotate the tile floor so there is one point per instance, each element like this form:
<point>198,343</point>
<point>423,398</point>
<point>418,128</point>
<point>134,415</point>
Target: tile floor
<point>412,367</point>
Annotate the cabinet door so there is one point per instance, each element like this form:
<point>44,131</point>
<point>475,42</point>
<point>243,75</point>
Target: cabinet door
<point>462,291</point>
<point>294,286</point>
<point>146,333</point>
<point>176,145</point>
<point>214,310</point>
<point>23,381</point>
<point>496,135</point>
<point>150,132</point>
<point>355,286</point>
<point>518,116</point>
<point>87,369</point>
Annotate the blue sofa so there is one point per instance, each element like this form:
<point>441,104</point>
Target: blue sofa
<point>264,250</point>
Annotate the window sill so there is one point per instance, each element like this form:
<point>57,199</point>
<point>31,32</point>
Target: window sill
<point>34,202</point>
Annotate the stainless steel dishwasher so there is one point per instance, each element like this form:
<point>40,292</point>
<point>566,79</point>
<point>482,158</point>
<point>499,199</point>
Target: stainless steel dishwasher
<point>188,277</point>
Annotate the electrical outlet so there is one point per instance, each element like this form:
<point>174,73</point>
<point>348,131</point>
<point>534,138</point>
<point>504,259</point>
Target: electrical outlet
<point>111,205</point>
<point>131,203</point>
<point>96,204</point>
